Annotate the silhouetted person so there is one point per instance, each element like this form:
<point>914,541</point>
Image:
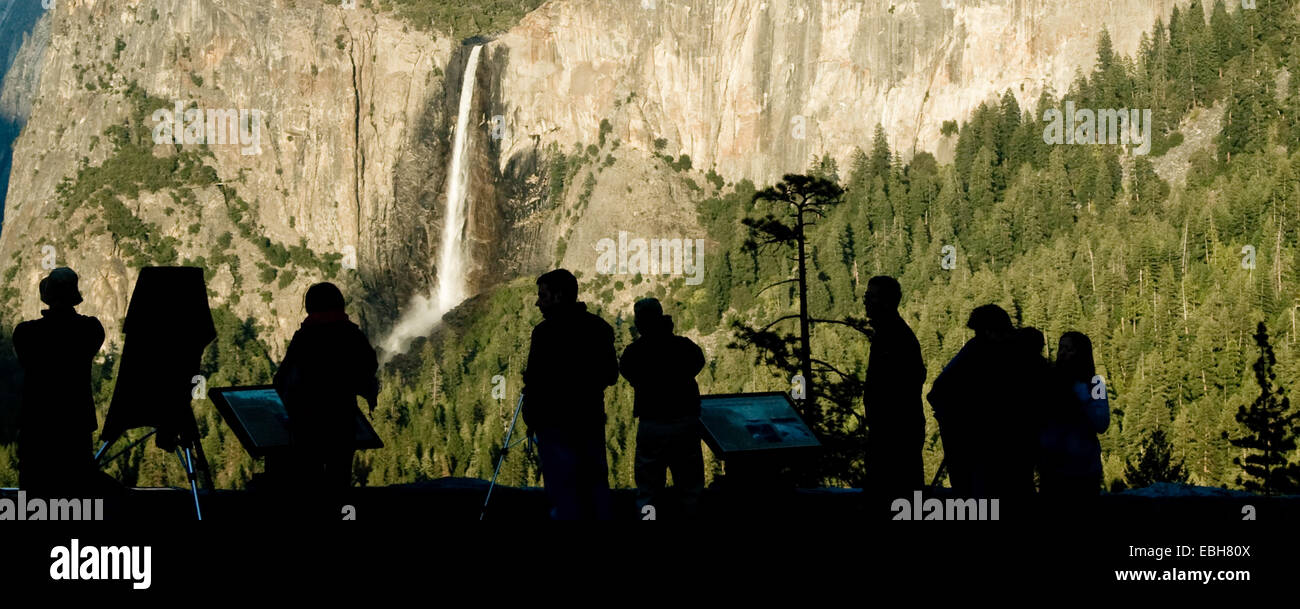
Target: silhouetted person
<point>892,396</point>
<point>571,360</point>
<point>661,367</point>
<point>1031,339</point>
<point>1070,455</point>
<point>58,417</point>
<point>982,401</point>
<point>1038,371</point>
<point>328,364</point>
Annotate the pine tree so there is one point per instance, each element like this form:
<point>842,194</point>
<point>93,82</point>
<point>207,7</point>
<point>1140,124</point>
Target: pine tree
<point>1147,191</point>
<point>982,190</point>
<point>1008,125</point>
<point>1271,428</point>
<point>1105,53</point>
<point>1227,40</point>
<point>826,168</point>
<point>796,204</point>
<point>879,160</point>
<point>1155,463</point>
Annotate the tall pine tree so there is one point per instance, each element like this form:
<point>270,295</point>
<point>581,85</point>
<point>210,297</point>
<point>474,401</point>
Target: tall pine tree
<point>1270,436</point>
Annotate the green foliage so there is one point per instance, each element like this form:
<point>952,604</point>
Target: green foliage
<point>715,179</point>
<point>130,171</point>
<point>605,129</point>
<point>461,20</point>
<point>266,272</point>
<point>1271,428</point>
<point>286,278</point>
<point>557,175</point>
<point>683,163</point>
<point>1067,237</point>
<point>1155,463</point>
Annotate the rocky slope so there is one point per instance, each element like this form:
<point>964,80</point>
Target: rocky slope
<point>341,93</point>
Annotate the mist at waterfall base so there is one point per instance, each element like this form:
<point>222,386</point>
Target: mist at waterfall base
<point>424,312</point>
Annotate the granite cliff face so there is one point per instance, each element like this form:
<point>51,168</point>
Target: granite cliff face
<point>22,44</point>
<point>359,110</point>
<point>756,87</point>
<point>340,92</point>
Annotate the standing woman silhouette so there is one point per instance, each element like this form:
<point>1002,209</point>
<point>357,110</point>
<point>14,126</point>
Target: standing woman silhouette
<point>328,364</point>
<point>1070,455</point>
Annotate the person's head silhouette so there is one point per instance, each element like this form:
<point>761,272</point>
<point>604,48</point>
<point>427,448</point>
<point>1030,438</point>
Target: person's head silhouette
<point>59,289</point>
<point>1074,356</point>
<point>556,291</point>
<point>882,296</point>
<point>1032,339</point>
<point>990,322</point>
<point>323,298</point>
<point>649,316</point>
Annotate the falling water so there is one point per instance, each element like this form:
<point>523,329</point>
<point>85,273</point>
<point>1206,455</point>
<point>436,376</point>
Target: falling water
<point>425,311</point>
<point>451,256</point>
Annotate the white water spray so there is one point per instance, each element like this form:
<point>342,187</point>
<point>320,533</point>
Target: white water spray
<point>424,312</point>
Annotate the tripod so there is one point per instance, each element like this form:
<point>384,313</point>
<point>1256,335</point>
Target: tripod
<point>187,452</point>
<point>505,448</point>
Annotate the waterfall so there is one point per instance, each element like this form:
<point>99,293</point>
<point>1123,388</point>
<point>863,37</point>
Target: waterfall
<point>424,312</point>
<point>451,255</point>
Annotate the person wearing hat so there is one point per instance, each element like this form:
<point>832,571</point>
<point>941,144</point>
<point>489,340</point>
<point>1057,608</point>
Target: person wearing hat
<point>57,423</point>
<point>661,367</point>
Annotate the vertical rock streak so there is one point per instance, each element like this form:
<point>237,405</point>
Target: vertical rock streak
<point>424,312</point>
